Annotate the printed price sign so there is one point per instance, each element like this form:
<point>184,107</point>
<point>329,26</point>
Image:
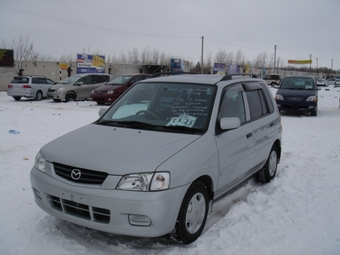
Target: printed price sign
<point>182,120</point>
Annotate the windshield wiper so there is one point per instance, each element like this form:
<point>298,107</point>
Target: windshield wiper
<point>183,128</point>
<point>134,124</point>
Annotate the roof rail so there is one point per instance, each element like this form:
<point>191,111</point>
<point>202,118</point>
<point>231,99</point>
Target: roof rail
<point>230,76</point>
<point>169,73</point>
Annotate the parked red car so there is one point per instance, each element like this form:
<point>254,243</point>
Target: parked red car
<point>109,92</point>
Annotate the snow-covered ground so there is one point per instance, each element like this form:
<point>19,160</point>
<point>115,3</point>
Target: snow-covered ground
<point>297,213</point>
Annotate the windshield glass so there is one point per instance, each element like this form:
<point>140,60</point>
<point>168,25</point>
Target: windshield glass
<point>71,80</point>
<point>119,80</point>
<point>297,83</point>
<point>169,107</point>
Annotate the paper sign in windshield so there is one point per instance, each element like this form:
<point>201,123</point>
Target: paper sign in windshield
<point>182,120</point>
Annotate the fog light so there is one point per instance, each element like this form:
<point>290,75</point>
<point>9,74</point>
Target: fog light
<point>139,220</point>
<point>37,193</point>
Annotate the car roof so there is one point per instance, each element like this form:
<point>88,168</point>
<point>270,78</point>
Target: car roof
<point>300,76</point>
<point>207,79</point>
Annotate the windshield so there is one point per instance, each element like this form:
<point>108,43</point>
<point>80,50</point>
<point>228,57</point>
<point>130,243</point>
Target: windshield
<point>297,83</point>
<point>170,107</point>
<point>119,80</point>
<point>71,79</point>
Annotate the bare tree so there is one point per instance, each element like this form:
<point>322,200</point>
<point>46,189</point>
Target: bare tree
<point>23,49</point>
<point>133,57</point>
<point>67,58</point>
<point>240,59</point>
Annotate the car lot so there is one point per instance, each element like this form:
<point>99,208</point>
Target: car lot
<point>294,213</point>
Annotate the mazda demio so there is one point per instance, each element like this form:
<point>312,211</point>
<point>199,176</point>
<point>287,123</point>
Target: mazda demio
<point>154,162</point>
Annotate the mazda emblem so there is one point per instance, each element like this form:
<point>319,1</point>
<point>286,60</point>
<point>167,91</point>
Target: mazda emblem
<point>76,174</point>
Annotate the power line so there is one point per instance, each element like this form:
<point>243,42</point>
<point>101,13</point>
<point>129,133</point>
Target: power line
<point>70,22</point>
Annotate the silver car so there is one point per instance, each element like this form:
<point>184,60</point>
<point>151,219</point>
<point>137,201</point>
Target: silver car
<point>156,160</point>
<point>29,86</point>
<point>77,87</point>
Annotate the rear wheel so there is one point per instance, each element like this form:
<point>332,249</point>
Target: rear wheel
<point>193,214</point>
<point>17,98</point>
<point>38,96</point>
<point>268,172</point>
<point>70,97</point>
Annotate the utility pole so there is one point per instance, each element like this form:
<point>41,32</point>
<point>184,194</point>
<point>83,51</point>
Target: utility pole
<point>202,56</point>
<point>310,64</point>
<point>274,57</point>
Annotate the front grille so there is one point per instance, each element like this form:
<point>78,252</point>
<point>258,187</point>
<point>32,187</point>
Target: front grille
<point>86,176</point>
<point>80,210</point>
<point>295,99</point>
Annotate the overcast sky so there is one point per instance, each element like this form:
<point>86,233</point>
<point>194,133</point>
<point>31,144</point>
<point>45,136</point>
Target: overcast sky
<point>299,28</point>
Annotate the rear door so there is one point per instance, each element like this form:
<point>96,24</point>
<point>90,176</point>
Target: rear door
<point>84,86</point>
<point>264,123</point>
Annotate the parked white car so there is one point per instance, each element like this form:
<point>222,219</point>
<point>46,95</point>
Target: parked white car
<point>29,86</point>
<point>155,161</point>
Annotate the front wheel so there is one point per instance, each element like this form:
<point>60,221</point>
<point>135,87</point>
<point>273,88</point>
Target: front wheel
<point>193,213</point>
<point>70,97</point>
<point>268,172</point>
<point>17,98</point>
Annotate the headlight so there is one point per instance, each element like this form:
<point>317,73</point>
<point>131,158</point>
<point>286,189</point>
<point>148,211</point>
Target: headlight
<point>311,98</point>
<point>145,181</point>
<point>60,89</point>
<point>40,162</point>
<point>110,92</point>
<point>278,97</point>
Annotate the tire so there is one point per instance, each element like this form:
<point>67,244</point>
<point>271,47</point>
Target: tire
<point>268,172</point>
<point>314,113</point>
<point>100,103</point>
<point>56,100</point>
<point>70,97</point>
<point>17,98</point>
<point>38,96</point>
<point>193,214</point>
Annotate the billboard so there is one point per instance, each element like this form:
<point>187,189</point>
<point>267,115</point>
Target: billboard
<point>176,65</point>
<point>219,68</point>
<point>90,63</point>
<point>299,62</point>
<point>6,58</point>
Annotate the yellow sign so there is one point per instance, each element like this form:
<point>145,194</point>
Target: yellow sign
<point>98,61</point>
<point>300,62</point>
<point>63,66</point>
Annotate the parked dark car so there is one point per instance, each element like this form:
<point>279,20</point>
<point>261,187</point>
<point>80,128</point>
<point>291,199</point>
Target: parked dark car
<point>108,93</point>
<point>298,93</point>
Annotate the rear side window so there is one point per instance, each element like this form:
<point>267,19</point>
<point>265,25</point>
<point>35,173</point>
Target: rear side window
<point>257,103</point>
<point>37,80</point>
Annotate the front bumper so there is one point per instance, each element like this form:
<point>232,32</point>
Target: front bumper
<point>297,106</point>
<point>144,214</point>
<point>104,98</point>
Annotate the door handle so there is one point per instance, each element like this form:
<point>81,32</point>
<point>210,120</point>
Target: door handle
<point>249,135</point>
<point>271,124</point>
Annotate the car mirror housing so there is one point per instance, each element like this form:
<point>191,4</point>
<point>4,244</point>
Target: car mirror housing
<point>228,123</point>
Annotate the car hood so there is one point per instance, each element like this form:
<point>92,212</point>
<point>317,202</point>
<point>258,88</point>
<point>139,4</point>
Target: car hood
<point>115,150</point>
<point>296,92</point>
<point>107,87</point>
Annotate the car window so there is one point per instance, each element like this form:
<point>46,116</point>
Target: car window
<point>100,79</point>
<point>257,103</point>
<point>20,80</point>
<point>232,103</point>
<point>165,104</point>
<point>86,79</point>
<point>49,81</point>
<point>297,83</point>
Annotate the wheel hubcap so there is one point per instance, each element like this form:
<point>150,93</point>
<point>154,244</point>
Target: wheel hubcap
<point>272,163</point>
<point>195,213</point>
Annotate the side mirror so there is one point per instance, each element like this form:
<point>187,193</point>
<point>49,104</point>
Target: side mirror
<point>102,111</point>
<point>228,123</point>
